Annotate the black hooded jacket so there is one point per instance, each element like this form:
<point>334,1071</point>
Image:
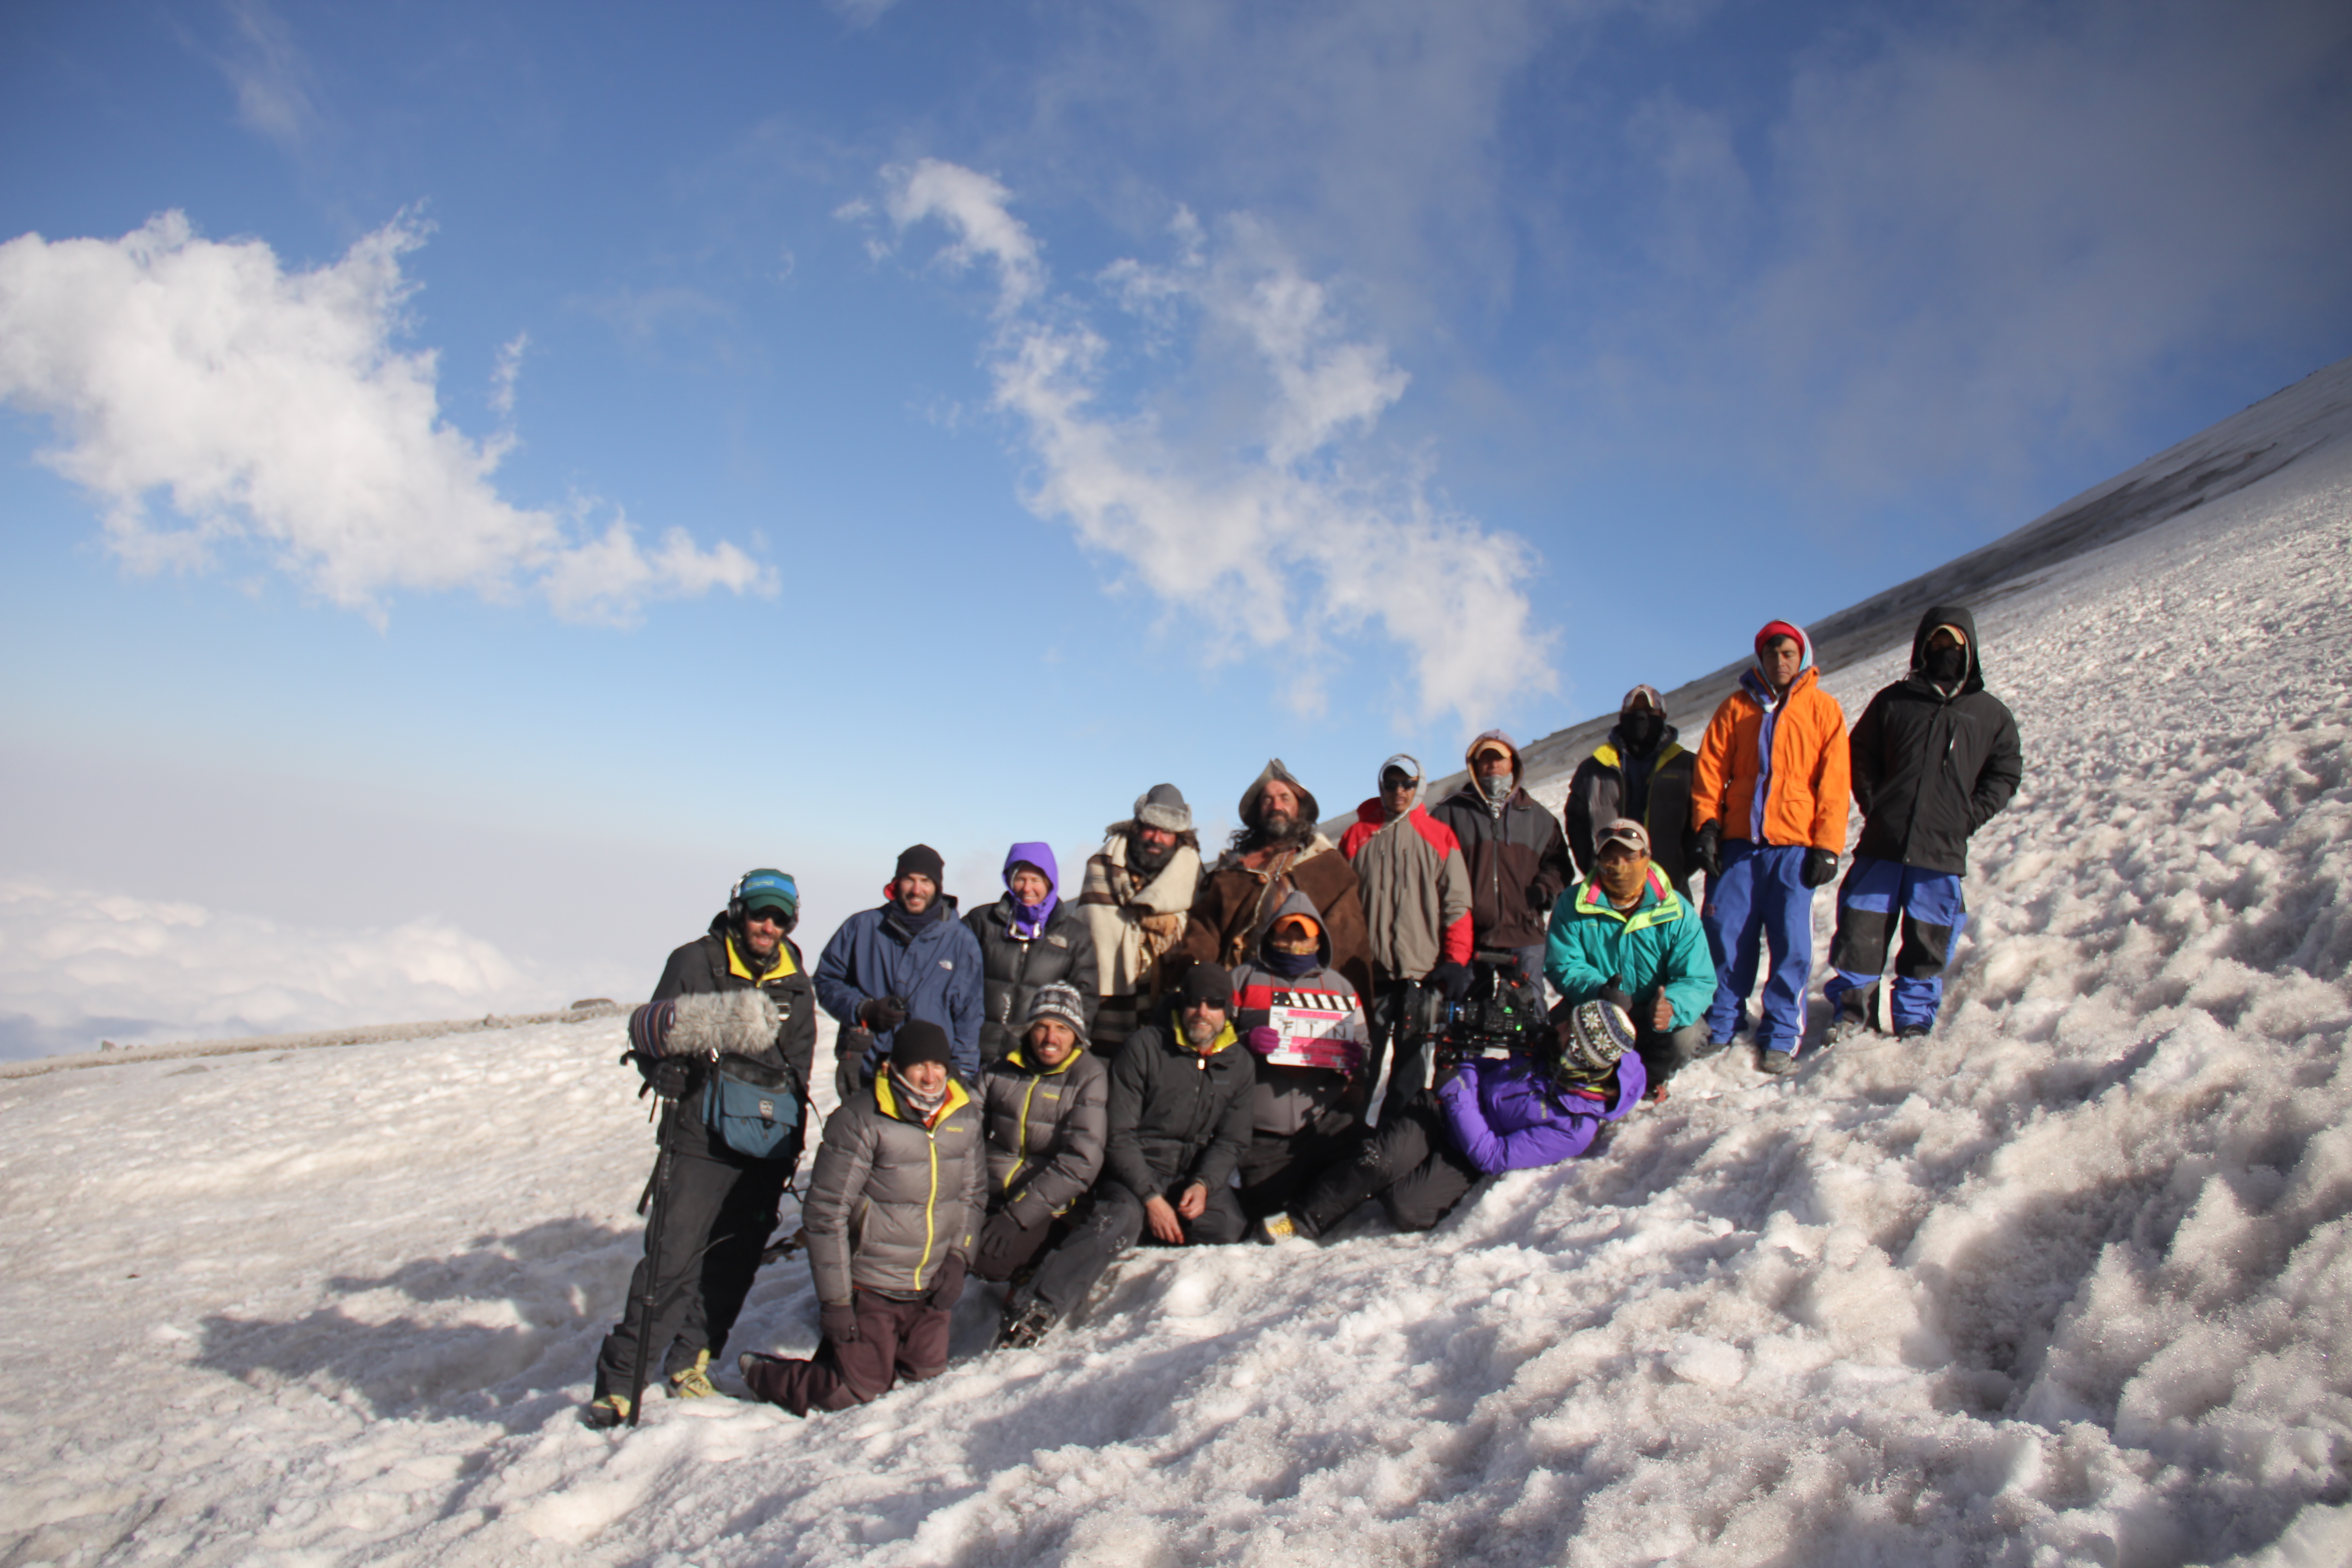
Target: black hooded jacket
<point>1930,769</point>
<point>712,963</point>
<point>1654,790</point>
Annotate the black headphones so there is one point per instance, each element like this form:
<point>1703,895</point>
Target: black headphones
<point>735,911</point>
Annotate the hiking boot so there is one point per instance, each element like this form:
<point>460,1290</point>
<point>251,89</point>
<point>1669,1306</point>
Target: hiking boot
<point>1845,1026</point>
<point>1280,1229</point>
<point>1024,1329</point>
<point>1776,1064</point>
<point>1913,1032</point>
<point>605,1412</point>
<point>754,1366</point>
<point>694,1382</point>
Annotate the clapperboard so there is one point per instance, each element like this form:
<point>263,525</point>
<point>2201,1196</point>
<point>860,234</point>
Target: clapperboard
<point>1318,1030</point>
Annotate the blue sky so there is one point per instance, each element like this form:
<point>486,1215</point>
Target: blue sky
<point>479,477</point>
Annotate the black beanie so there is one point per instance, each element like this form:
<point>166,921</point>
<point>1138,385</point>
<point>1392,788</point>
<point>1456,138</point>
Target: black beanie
<point>1207,983</point>
<point>923,861</point>
<point>920,1040</point>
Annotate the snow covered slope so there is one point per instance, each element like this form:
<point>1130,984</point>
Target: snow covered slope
<point>2071,1282</point>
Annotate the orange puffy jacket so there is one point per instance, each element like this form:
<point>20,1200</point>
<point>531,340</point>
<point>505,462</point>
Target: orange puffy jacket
<point>1806,799</point>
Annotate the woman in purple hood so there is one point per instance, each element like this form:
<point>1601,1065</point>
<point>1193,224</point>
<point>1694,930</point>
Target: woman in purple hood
<point>1515,1114</point>
<point>1029,937</point>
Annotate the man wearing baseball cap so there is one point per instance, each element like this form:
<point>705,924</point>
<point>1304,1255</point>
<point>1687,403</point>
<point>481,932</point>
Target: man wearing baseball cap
<point>1769,805</point>
<point>1641,770</point>
<point>1416,886</point>
<point>718,1205</point>
<point>1517,858</point>
<point>1625,936</point>
<point>1180,1118</point>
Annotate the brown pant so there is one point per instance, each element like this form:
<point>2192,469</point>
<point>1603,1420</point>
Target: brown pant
<point>896,1339</point>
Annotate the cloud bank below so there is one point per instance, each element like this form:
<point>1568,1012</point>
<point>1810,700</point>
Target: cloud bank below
<point>276,410</point>
<point>77,965</point>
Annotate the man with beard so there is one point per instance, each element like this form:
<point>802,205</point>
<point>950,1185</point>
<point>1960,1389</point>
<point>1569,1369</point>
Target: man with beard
<point>911,958</point>
<point>1276,849</point>
<point>1180,1118</point>
<point>1639,773</point>
<point>1935,756</point>
<point>1519,860</point>
<point>718,1205</point>
<point>1134,898</point>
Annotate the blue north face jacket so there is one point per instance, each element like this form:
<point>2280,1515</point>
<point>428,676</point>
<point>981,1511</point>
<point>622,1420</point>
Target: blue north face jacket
<point>933,962</point>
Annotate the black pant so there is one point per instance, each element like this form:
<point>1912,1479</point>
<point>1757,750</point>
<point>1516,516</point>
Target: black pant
<point>715,1217</point>
<point>1005,1246</point>
<point>1395,1019</point>
<point>1410,1165</point>
<point>1275,1169</point>
<point>1112,1223</point>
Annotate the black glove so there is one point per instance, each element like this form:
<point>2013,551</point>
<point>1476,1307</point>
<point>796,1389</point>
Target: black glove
<point>1616,994</point>
<point>1450,978</point>
<point>839,1322</point>
<point>947,1289</point>
<point>1820,866</point>
<point>1705,848</point>
<point>882,1014</point>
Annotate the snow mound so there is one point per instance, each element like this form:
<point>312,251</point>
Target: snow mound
<point>2067,1282</point>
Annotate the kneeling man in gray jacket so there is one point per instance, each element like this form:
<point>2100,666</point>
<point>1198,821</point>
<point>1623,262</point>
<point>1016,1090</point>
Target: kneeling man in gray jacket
<point>893,1203</point>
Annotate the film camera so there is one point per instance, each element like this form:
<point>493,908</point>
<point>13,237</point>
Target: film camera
<point>1502,1016</point>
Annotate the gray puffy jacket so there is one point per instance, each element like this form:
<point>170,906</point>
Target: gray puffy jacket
<point>891,1197</point>
<point>1046,1131</point>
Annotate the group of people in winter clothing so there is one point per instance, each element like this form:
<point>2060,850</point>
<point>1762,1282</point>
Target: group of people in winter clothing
<point>1192,1050</point>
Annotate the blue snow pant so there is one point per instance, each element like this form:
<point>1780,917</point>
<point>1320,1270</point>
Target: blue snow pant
<point>1759,898</point>
<point>1872,893</point>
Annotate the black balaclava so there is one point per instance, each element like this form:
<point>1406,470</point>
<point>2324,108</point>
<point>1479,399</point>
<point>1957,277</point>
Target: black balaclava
<point>1641,726</point>
<point>1946,666</point>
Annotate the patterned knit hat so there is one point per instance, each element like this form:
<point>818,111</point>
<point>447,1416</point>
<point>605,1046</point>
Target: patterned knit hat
<point>1598,1034</point>
<point>1059,999</point>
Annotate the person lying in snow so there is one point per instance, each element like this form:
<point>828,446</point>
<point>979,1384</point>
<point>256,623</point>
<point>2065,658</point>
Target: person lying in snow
<point>893,1207</point>
<point>1516,1113</point>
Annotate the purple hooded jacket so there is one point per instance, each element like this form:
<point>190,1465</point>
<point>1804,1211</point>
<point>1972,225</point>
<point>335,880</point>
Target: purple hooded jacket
<point>1507,1115</point>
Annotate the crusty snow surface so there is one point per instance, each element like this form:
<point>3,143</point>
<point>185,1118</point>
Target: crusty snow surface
<point>2071,1282</point>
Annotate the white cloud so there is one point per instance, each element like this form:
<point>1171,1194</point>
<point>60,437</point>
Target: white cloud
<point>274,409</point>
<point>77,966</point>
<point>1249,504</point>
<point>272,78</point>
<point>506,373</point>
